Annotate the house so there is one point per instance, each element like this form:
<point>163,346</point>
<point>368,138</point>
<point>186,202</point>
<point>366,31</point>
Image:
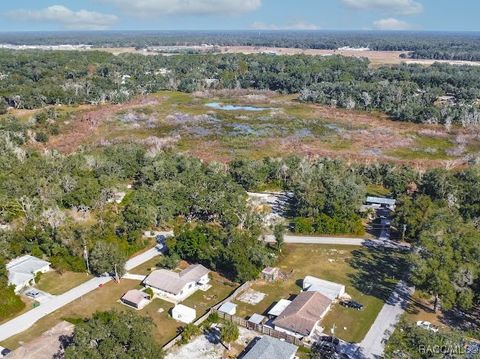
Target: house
<point>22,271</point>
<point>184,314</point>
<point>228,308</point>
<point>330,290</point>
<point>279,307</point>
<point>177,286</point>
<point>302,316</point>
<point>271,274</point>
<point>136,299</point>
<point>271,348</point>
<point>382,202</point>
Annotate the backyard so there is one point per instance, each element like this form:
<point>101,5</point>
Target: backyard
<point>107,298</point>
<point>368,274</point>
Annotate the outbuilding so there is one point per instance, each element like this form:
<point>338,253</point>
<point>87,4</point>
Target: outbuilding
<point>329,289</point>
<point>228,308</point>
<point>136,299</point>
<point>184,314</point>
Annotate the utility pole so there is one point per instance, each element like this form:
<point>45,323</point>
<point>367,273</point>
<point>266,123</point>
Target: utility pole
<point>85,256</point>
<point>403,231</point>
<point>116,273</point>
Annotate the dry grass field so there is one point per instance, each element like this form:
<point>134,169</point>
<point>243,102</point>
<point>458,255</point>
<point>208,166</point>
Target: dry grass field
<point>282,127</point>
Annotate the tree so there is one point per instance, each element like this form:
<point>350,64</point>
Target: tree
<point>107,258</point>
<point>229,333</point>
<point>190,331</point>
<point>279,234</point>
<point>114,335</point>
<point>445,261</point>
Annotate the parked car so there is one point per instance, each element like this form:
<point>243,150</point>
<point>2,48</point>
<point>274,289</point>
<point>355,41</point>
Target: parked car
<point>329,339</point>
<point>32,293</point>
<point>4,352</point>
<point>352,304</point>
<point>427,325</point>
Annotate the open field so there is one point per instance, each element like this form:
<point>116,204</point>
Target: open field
<point>55,283</point>
<point>369,276</point>
<point>107,298</point>
<point>376,58</point>
<point>281,126</point>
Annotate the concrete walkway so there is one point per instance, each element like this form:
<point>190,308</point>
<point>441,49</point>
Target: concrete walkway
<point>131,276</point>
<point>26,320</point>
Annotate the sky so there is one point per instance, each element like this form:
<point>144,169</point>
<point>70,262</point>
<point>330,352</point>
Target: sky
<point>419,15</point>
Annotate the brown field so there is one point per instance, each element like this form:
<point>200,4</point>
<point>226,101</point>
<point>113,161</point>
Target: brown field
<point>183,122</point>
<point>376,58</point>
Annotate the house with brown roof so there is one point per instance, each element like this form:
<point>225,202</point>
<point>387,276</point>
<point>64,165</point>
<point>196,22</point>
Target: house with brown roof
<point>177,286</point>
<point>136,299</point>
<point>301,317</point>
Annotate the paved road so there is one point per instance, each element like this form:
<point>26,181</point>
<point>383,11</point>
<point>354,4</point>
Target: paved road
<point>374,343</point>
<point>338,241</point>
<point>26,320</point>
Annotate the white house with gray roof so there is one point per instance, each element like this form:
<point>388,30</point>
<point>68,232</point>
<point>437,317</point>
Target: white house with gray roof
<point>177,286</point>
<point>22,271</point>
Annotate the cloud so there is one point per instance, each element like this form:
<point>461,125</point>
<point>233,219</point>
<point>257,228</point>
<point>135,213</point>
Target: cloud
<point>186,7</point>
<point>401,7</point>
<point>69,19</point>
<point>391,24</point>
<point>301,25</point>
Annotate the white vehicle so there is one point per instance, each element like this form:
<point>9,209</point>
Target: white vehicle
<point>427,325</point>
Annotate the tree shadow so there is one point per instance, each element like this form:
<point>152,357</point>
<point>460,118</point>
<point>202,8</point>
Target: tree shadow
<point>377,271</point>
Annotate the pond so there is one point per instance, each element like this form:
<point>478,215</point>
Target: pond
<point>219,106</point>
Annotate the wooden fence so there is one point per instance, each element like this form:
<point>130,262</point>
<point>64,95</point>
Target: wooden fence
<point>204,317</point>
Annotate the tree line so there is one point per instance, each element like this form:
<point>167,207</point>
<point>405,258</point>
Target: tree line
<point>440,93</point>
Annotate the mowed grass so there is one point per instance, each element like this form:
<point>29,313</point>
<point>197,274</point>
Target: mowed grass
<point>108,298</point>
<point>368,274</point>
<point>55,283</point>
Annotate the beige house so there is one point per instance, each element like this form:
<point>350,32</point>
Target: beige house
<point>301,317</point>
<point>177,286</point>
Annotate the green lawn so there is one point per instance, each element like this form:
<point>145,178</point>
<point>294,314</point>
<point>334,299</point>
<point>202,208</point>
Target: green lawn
<point>369,276</point>
<point>55,283</point>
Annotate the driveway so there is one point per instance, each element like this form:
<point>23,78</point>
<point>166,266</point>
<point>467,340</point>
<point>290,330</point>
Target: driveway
<point>26,320</point>
<point>373,344</point>
<point>42,296</point>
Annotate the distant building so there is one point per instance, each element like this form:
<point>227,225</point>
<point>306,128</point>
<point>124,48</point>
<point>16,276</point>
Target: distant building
<point>302,316</point>
<point>228,308</point>
<point>136,299</point>
<point>177,286</point>
<point>382,202</point>
<point>184,314</point>
<point>271,348</point>
<point>22,271</point>
<point>271,274</point>
<point>330,290</point>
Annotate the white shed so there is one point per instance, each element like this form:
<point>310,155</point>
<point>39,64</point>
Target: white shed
<point>183,314</point>
<point>330,290</point>
<point>228,308</point>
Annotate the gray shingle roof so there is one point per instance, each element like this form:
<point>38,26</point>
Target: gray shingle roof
<point>173,282</point>
<point>271,348</point>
